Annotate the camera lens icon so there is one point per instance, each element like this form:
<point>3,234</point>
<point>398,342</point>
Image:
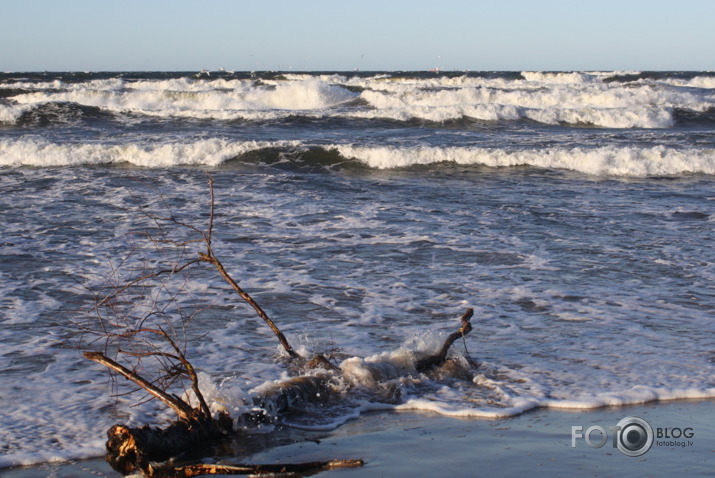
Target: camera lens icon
<point>634,436</point>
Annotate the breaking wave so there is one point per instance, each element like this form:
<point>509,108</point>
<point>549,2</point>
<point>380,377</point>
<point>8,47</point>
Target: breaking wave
<point>210,152</point>
<point>605,161</point>
<point>575,99</point>
<point>629,161</point>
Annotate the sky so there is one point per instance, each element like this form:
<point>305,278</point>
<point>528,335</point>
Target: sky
<point>369,35</point>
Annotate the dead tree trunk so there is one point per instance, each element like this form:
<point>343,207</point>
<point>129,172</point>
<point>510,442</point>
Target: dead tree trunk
<point>130,450</point>
<point>139,449</point>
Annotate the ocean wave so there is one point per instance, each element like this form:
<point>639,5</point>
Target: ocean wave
<point>53,113</point>
<point>603,161</point>
<point>159,100</point>
<point>596,104</point>
<point>707,82</point>
<point>575,98</point>
<point>9,113</point>
<point>560,77</point>
<point>209,152</point>
<point>449,107</point>
<point>606,161</point>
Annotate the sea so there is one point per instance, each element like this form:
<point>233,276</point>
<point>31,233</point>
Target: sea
<point>365,212</point>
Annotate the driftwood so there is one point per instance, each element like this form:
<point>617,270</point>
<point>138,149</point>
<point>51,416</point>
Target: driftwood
<point>304,469</point>
<point>439,358</point>
<point>133,450</point>
<point>182,409</point>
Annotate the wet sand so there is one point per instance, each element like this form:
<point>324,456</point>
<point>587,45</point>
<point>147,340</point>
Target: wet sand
<point>537,443</point>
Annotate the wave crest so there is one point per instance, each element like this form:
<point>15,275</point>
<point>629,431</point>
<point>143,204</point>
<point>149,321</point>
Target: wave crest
<point>606,161</point>
<point>209,152</point>
<point>603,161</point>
<point>575,98</point>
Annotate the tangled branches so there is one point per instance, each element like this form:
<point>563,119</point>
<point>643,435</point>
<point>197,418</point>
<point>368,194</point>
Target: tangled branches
<point>141,325</point>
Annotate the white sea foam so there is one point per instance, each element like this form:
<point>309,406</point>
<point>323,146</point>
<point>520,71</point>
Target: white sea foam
<point>636,395</point>
<point>629,162</point>
<point>210,152</point>
<point>217,99</point>
<point>605,161</point>
<point>10,113</point>
<point>596,105</point>
<point>552,98</point>
<point>697,82</point>
<point>558,77</point>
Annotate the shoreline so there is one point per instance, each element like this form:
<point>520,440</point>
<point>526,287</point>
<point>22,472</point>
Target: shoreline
<point>537,442</point>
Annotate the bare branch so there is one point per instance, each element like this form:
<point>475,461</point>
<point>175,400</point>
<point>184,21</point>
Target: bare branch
<point>209,232</point>
<point>245,296</point>
<point>182,409</point>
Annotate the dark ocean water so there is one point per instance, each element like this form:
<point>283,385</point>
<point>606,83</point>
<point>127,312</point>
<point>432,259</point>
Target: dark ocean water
<point>366,211</point>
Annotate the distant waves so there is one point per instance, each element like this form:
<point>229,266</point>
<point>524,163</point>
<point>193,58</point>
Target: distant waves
<point>607,100</point>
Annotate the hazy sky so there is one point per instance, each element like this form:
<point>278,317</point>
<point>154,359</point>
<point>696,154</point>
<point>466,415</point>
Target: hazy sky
<point>317,35</point>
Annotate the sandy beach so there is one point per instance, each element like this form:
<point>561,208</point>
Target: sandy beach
<point>537,443</point>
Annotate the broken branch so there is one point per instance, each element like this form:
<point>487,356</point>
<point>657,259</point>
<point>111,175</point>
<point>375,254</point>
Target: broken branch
<point>439,358</point>
<point>211,259</point>
<point>182,409</point>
